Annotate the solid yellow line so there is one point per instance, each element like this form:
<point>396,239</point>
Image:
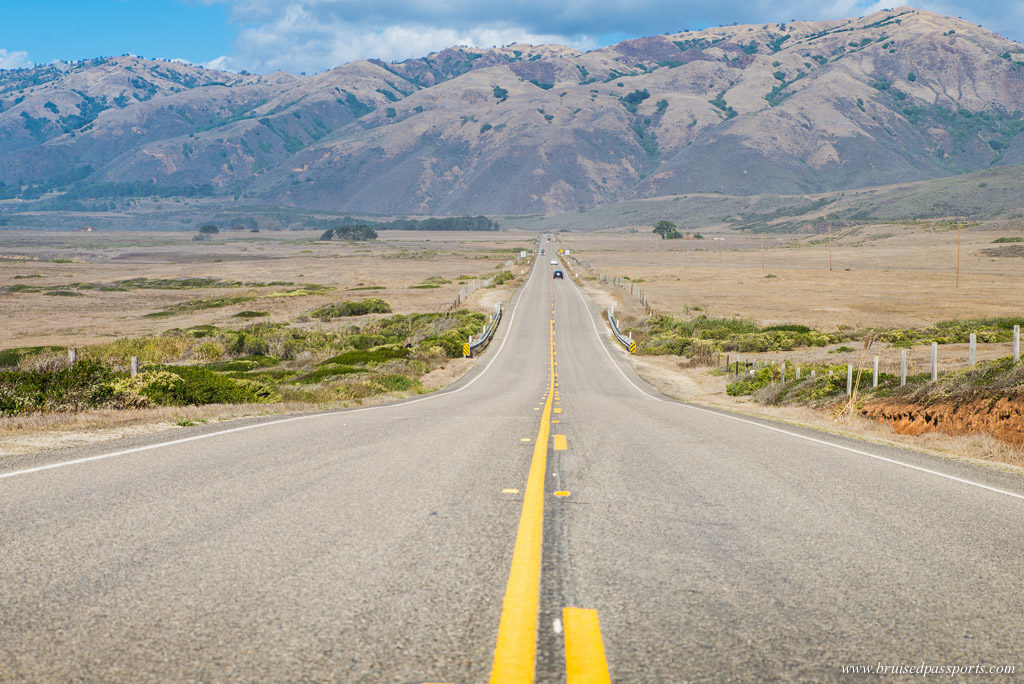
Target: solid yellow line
<point>585,662</point>
<point>515,653</point>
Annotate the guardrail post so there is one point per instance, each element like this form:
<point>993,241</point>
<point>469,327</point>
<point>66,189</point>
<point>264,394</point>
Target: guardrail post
<point>903,367</point>
<point>1016,343</point>
<point>874,374</point>
<point>935,361</point>
<point>971,352</point>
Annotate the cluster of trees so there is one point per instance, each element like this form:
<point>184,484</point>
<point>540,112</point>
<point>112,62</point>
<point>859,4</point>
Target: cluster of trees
<point>453,223</point>
<point>668,231</point>
<point>350,232</point>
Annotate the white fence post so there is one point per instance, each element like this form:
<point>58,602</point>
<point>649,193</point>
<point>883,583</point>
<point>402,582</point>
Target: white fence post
<point>1016,343</point>
<point>903,367</point>
<point>971,353</point>
<point>849,379</point>
<point>135,365</point>
<point>874,374</point>
<point>935,361</point>
<point>72,356</point>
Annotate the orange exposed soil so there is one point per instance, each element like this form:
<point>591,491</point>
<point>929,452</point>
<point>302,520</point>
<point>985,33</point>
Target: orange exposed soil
<point>1002,418</point>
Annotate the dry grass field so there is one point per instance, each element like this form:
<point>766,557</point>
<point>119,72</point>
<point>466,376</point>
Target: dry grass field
<point>400,267</point>
<point>883,276</point>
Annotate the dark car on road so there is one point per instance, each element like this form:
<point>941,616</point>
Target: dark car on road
<point>558,274</point>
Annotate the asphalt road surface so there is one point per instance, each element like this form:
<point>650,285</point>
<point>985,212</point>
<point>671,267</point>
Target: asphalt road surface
<point>409,542</point>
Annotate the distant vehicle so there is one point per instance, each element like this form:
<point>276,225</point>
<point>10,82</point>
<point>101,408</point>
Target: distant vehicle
<point>554,262</point>
<point>558,274</point>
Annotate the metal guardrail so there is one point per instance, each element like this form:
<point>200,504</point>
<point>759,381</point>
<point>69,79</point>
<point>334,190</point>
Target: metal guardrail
<point>472,345</point>
<point>626,342</point>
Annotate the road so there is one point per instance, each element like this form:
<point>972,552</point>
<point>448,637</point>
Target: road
<point>409,542</point>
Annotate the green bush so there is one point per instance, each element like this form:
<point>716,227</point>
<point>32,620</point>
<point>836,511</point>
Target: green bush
<point>500,278</point>
<point>11,357</point>
<point>71,388</point>
<point>346,308</point>
<point>245,363</point>
<point>751,382</point>
<point>327,372</point>
<point>200,386</point>
<point>394,382</point>
<point>364,356</point>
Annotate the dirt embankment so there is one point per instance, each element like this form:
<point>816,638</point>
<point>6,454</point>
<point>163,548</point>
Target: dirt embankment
<point>1003,418</point>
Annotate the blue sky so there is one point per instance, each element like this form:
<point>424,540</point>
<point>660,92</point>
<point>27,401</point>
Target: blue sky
<point>313,35</point>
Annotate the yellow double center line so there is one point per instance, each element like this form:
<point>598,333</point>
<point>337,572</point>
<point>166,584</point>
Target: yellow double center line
<point>516,651</point>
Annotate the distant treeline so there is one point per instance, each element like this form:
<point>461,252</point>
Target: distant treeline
<point>452,223</point>
<point>352,232</point>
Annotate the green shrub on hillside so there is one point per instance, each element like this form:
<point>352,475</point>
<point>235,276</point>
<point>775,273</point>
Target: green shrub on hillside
<point>197,385</point>
<point>69,388</point>
<point>342,309</point>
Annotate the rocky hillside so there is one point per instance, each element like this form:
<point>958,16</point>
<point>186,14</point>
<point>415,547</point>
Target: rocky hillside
<point>803,107</point>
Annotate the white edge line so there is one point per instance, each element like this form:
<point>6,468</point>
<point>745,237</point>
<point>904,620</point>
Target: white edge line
<point>149,447</point>
<point>724,414</point>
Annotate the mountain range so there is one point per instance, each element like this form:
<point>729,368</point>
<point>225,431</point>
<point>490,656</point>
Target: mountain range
<point>796,108</point>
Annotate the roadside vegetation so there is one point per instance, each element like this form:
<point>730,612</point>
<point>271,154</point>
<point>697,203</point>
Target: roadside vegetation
<point>777,385</point>
<point>672,335</point>
<point>258,363</point>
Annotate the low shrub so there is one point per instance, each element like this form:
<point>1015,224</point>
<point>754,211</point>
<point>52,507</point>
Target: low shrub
<point>346,308</point>
<point>364,356</point>
<point>198,385</point>
<point>69,388</point>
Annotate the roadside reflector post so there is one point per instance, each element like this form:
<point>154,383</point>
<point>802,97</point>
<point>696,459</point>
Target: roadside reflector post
<point>72,356</point>
<point>973,349</point>
<point>135,365</point>
<point>935,360</point>
<point>798,372</point>
<point>874,374</point>
<point>849,379</point>
<point>1016,343</point>
<point>903,367</point>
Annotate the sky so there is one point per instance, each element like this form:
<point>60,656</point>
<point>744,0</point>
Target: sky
<point>310,36</point>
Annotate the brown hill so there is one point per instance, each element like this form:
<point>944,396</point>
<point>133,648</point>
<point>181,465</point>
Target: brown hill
<point>900,95</point>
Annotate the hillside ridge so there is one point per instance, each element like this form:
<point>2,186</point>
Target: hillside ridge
<point>801,107</point>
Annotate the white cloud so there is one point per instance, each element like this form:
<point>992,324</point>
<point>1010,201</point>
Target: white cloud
<point>298,41</point>
<point>16,59</point>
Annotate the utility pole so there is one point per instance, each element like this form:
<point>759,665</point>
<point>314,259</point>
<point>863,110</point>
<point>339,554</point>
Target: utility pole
<point>762,250</point>
<point>957,255</point>
<point>830,247</point>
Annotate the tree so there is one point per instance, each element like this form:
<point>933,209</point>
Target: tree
<point>667,230</point>
<point>351,232</point>
<point>208,229</point>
